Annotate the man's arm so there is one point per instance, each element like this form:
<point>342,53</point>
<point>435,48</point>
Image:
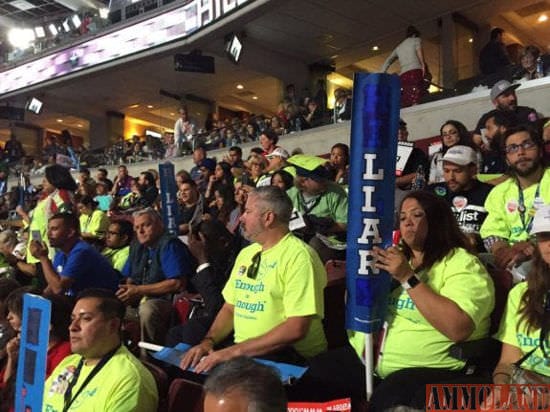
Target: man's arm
<point>130,292</point>
<point>56,283</point>
<point>290,331</point>
<point>220,329</point>
<point>161,288</point>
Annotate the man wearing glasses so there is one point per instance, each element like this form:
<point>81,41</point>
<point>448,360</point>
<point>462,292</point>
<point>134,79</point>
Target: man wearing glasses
<point>117,242</point>
<point>274,296</point>
<point>512,204</point>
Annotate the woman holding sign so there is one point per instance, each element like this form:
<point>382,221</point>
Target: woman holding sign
<point>442,295</point>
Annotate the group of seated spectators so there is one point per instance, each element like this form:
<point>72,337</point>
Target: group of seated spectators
<point>253,237</point>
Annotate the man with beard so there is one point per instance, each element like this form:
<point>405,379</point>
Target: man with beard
<point>76,265</point>
<point>495,126</point>
<point>503,96</point>
<point>274,300</point>
<point>512,204</point>
<point>463,192</point>
<point>117,243</point>
<point>148,191</point>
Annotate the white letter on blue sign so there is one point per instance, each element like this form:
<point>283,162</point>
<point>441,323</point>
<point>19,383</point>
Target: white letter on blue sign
<point>370,229</point>
<point>367,206</point>
<point>366,263</point>
<point>369,168</point>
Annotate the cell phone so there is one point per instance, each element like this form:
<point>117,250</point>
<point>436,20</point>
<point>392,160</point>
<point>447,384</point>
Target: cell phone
<point>35,234</point>
<point>484,138</point>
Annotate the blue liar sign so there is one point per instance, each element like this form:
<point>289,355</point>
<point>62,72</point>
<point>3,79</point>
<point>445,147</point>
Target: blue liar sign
<point>375,118</point>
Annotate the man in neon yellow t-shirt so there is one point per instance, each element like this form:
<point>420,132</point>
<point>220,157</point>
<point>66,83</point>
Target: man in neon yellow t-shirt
<point>101,375</point>
<point>274,296</point>
<point>511,205</point>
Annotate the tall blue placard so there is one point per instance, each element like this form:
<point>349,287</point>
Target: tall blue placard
<point>169,189</point>
<point>33,349</point>
<point>374,125</point>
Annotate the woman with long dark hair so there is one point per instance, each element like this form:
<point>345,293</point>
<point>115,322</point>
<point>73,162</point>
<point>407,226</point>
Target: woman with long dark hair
<point>441,295</point>
<point>525,324</point>
<point>452,133</point>
<point>58,188</point>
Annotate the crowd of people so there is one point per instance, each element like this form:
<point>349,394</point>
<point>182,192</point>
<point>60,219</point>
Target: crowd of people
<point>253,236</point>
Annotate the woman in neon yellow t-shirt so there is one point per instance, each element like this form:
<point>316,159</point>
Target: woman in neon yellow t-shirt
<point>93,222</point>
<point>441,294</point>
<point>58,188</point>
<point>525,324</point>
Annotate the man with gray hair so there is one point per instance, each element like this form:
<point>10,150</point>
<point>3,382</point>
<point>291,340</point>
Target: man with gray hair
<point>242,384</point>
<point>157,267</point>
<point>274,301</point>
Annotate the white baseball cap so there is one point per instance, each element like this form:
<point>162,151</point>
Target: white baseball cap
<point>460,155</point>
<point>541,221</point>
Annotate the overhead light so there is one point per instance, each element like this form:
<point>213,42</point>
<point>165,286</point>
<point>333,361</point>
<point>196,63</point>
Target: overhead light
<point>79,125</point>
<point>471,40</point>
<point>172,114</point>
<point>150,106</point>
<point>254,97</point>
<point>134,106</point>
<point>59,120</point>
<point>53,29</point>
<point>40,32</point>
<point>21,38</point>
<point>240,86</point>
<point>66,26</point>
<point>103,12</point>
<point>375,48</point>
<point>542,18</point>
<point>76,21</point>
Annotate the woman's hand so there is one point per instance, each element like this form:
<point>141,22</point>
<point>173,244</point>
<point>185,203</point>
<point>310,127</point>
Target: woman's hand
<point>393,261</point>
<point>12,347</point>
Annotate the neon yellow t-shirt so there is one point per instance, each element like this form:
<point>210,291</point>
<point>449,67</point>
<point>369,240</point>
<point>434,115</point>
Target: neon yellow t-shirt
<point>122,385</point>
<point>117,257</point>
<point>514,333</point>
<point>411,341</point>
<point>95,224</point>
<point>290,282</point>
<point>502,205</point>
<point>57,202</point>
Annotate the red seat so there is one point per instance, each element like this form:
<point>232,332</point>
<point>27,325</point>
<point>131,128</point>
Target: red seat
<point>161,379</point>
<point>185,396</point>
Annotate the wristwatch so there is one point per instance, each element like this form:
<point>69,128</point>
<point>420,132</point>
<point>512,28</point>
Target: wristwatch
<point>410,282</point>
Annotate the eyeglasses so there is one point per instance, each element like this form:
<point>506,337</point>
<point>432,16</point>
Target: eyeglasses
<point>253,269</point>
<point>514,148</point>
<point>449,133</point>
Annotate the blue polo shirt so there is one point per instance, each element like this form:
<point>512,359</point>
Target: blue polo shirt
<point>87,267</point>
<point>175,262</point>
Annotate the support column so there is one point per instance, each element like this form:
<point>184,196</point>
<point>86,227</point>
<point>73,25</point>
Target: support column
<point>105,131</point>
<point>448,52</point>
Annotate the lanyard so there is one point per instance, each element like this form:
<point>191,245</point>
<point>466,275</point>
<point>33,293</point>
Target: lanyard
<point>68,397</point>
<point>522,209</point>
<point>304,204</point>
